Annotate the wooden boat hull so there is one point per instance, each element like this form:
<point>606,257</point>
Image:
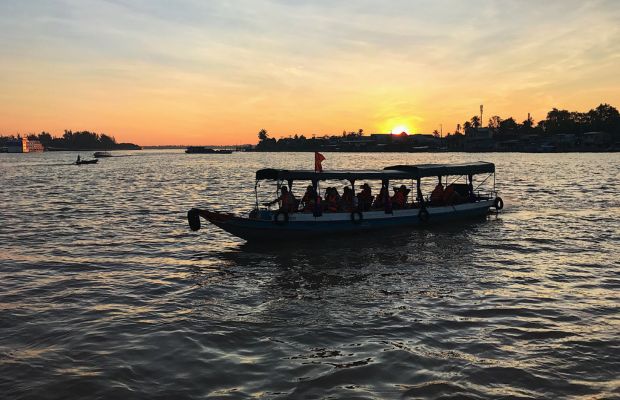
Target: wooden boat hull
<point>301,225</point>
<point>86,162</point>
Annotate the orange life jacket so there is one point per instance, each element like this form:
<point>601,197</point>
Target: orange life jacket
<point>437,194</point>
<point>308,202</point>
<point>449,194</point>
<point>286,202</point>
<point>332,203</point>
<point>399,199</point>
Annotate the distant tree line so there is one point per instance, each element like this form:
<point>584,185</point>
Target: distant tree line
<point>603,118</point>
<point>300,142</point>
<point>82,140</point>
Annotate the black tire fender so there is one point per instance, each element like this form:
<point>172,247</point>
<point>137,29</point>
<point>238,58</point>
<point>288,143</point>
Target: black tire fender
<point>423,215</point>
<point>280,218</point>
<point>193,218</point>
<point>498,203</point>
<point>356,217</point>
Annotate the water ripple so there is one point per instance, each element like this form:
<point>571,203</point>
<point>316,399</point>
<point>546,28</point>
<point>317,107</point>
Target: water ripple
<point>107,294</point>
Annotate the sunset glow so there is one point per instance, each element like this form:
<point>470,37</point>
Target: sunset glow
<point>217,72</point>
<point>400,129</point>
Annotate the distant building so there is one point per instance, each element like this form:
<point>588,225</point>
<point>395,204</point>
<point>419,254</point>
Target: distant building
<point>384,138</point>
<point>565,141</point>
<point>24,145</point>
<point>14,146</point>
<point>425,139</point>
<point>596,140</point>
<point>479,139</point>
<point>381,137</point>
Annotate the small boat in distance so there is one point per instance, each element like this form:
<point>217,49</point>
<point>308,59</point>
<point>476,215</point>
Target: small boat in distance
<point>86,162</point>
<point>102,154</point>
<point>352,214</point>
<point>80,161</point>
<point>205,150</point>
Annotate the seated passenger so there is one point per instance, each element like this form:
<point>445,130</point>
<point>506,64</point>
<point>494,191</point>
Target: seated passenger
<point>286,200</point>
<point>437,195</point>
<point>348,201</point>
<point>309,200</point>
<point>399,200</point>
<point>332,199</point>
<point>383,199</point>
<point>451,196</point>
<point>365,198</point>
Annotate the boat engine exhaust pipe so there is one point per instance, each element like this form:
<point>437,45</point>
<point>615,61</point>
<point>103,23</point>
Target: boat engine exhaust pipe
<point>193,218</point>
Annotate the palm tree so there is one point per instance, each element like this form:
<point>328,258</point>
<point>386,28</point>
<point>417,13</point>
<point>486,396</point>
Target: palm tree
<point>475,121</point>
<point>466,127</point>
<point>495,121</point>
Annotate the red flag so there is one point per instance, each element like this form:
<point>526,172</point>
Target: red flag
<point>318,159</point>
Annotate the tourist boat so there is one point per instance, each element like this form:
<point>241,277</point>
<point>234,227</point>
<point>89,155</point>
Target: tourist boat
<point>102,154</point>
<point>86,162</point>
<point>266,224</point>
<point>206,150</point>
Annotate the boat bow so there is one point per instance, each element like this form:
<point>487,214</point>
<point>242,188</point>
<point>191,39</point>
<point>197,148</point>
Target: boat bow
<point>193,217</point>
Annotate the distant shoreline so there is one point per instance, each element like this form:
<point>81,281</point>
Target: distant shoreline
<point>613,150</point>
<point>70,141</point>
<point>93,148</point>
<point>374,150</point>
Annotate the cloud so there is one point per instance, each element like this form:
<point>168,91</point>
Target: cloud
<point>430,60</point>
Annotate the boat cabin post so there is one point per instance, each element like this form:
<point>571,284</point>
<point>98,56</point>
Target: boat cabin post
<point>256,194</point>
<point>420,196</point>
<point>353,197</point>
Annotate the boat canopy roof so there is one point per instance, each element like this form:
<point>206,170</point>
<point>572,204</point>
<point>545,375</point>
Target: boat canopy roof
<point>392,172</point>
<point>424,170</point>
<point>310,175</point>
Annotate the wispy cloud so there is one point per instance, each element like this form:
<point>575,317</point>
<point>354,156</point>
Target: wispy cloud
<point>301,62</point>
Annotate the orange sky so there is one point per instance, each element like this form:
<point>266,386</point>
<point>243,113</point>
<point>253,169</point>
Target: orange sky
<point>217,72</point>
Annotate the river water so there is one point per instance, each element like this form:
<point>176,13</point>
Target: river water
<point>105,292</point>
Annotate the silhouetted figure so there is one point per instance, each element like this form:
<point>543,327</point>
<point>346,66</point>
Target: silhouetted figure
<point>399,200</point>
<point>365,198</point>
<point>332,199</point>
<point>286,200</point>
<point>308,201</point>
<point>349,201</point>
<point>437,195</point>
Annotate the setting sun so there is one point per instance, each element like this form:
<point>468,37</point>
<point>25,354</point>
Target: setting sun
<point>400,129</point>
<point>398,124</point>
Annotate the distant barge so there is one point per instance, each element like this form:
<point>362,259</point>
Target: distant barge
<point>205,150</point>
